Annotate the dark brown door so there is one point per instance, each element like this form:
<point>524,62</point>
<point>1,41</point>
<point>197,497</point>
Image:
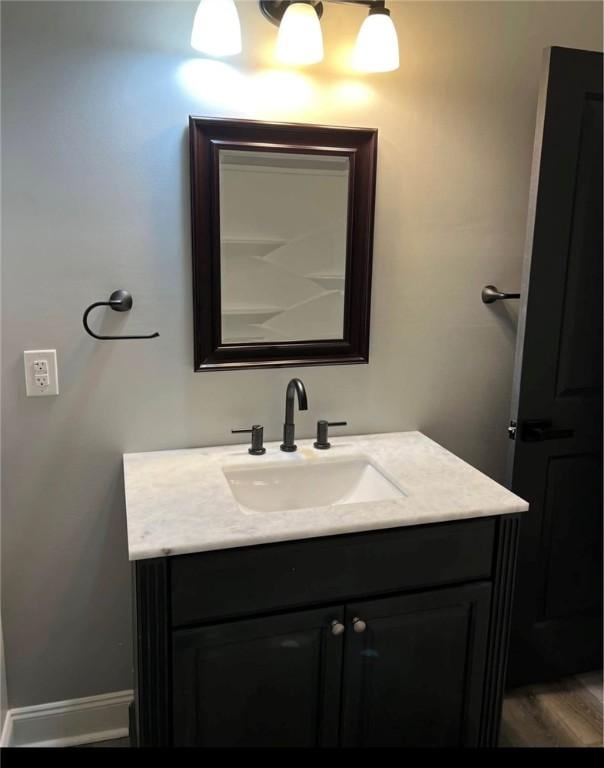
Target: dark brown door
<point>268,682</point>
<point>556,457</point>
<point>413,677</point>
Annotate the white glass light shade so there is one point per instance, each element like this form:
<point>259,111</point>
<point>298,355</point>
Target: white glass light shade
<point>216,28</point>
<point>376,48</point>
<point>300,40</point>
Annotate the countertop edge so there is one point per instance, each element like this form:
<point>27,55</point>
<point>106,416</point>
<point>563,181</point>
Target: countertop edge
<point>236,543</point>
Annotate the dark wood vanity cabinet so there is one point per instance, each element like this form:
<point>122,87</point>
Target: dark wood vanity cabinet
<point>272,681</point>
<point>407,648</point>
<point>413,677</point>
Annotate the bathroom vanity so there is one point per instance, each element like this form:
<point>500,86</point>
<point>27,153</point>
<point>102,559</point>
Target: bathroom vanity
<point>358,596</point>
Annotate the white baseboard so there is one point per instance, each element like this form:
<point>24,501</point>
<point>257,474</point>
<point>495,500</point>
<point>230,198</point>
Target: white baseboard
<point>67,723</point>
<point>7,730</point>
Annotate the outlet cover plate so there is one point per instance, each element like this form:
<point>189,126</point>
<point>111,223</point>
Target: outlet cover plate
<point>32,359</point>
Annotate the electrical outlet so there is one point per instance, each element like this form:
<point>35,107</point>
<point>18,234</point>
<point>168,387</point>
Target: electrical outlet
<point>41,376</point>
<point>41,381</point>
<point>40,366</point>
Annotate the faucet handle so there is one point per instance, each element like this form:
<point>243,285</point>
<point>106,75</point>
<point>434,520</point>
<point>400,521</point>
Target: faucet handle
<point>257,431</point>
<point>322,443</point>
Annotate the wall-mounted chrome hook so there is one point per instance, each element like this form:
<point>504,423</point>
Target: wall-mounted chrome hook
<point>490,294</point>
<point>119,301</point>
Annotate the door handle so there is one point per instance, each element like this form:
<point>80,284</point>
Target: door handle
<point>537,430</point>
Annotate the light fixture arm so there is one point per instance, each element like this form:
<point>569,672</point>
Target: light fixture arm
<point>378,5</point>
<point>273,10</point>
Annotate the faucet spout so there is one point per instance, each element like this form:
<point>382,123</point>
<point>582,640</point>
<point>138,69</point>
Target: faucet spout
<point>294,388</point>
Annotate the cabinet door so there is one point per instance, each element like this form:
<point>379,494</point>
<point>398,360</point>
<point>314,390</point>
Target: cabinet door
<point>266,682</point>
<point>413,677</point>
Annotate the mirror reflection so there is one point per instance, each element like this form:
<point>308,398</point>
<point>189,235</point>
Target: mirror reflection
<point>283,245</point>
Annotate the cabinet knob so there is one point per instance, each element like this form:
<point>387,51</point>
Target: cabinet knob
<point>358,625</point>
<point>337,627</point>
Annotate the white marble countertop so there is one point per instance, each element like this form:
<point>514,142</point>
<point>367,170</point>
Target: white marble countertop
<point>180,501</point>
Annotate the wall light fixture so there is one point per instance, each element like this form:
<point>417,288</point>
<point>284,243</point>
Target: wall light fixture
<point>300,40</point>
<point>376,48</point>
<point>216,28</point>
<point>216,31</point>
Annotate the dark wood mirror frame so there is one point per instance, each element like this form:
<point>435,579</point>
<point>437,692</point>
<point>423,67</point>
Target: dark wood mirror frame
<point>207,136</point>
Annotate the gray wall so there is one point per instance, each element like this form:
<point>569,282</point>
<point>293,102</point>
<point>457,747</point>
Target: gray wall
<point>95,100</point>
<point>3,689</point>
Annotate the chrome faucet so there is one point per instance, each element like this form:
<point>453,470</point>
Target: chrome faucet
<point>295,387</point>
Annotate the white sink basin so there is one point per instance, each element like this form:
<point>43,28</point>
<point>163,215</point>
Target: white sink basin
<point>283,486</point>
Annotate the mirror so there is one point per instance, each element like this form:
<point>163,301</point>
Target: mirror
<point>283,236</point>
<point>282,226</point>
